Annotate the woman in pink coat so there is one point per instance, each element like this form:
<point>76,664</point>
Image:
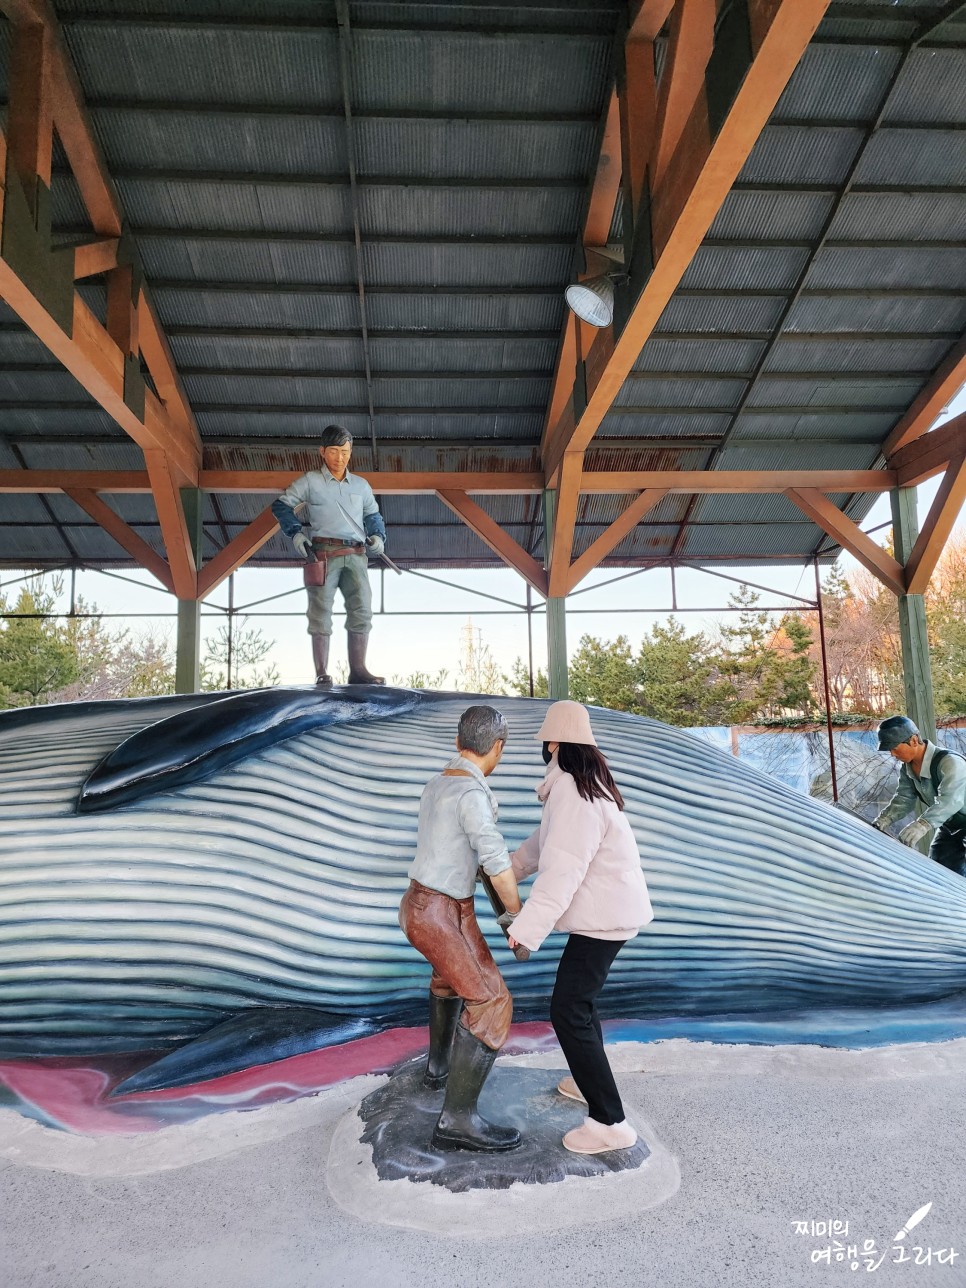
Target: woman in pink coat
<point>589,882</point>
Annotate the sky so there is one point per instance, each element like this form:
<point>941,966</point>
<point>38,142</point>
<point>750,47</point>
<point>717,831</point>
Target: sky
<point>426,615</point>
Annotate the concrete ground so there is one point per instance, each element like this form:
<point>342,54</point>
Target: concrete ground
<point>763,1138</point>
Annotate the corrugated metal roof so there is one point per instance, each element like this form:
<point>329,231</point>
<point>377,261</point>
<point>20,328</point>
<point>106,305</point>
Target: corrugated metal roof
<point>790,154</point>
<point>762,268</point>
<point>277,63</point>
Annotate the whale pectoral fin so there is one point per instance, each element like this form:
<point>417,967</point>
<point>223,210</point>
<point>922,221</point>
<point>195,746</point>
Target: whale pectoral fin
<point>187,747</point>
<point>254,1038</point>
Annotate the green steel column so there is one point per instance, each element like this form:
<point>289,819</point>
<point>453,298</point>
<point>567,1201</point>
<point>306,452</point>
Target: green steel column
<point>187,673</point>
<point>913,633</point>
<point>556,614</point>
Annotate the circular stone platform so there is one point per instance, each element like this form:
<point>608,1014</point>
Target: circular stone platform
<point>382,1166</point>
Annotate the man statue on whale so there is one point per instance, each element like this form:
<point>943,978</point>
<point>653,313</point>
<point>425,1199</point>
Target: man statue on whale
<point>339,507</point>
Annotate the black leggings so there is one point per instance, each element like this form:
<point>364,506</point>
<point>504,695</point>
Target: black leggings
<point>573,1013</point>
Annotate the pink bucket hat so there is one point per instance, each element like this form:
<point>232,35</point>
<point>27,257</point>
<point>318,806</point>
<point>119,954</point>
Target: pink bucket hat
<point>567,722</point>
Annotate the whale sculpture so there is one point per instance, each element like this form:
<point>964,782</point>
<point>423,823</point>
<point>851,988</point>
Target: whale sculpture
<point>179,867</point>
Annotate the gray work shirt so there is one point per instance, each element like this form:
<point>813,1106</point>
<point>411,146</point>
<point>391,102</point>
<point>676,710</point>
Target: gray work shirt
<point>458,832</point>
<point>321,495</point>
<point>915,790</point>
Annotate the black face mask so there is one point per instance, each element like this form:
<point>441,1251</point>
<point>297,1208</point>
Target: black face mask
<point>547,756</point>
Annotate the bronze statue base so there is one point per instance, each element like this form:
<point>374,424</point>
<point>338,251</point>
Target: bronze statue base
<point>398,1121</point>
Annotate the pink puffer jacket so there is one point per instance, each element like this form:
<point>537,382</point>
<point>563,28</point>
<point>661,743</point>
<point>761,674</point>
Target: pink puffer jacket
<point>589,878</point>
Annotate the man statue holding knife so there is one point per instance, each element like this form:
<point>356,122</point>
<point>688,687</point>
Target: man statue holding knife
<point>345,527</point>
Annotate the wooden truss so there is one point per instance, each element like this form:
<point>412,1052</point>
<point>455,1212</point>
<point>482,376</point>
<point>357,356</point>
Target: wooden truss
<point>673,150</point>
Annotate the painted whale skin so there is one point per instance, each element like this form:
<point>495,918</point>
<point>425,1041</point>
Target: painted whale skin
<point>171,866</point>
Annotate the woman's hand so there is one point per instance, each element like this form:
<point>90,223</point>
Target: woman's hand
<point>514,943</point>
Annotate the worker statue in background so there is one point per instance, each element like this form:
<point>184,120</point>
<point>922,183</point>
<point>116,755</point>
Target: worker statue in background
<point>339,509</point>
<point>932,784</point>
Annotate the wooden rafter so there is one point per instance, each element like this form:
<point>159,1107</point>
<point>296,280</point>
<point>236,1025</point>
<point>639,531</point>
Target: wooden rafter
<point>676,175</point>
<point>125,536</point>
<point>938,393</point>
<point>45,95</point>
<point>565,522</point>
<point>942,516</point>
<point>697,482</point>
<point>500,542</point>
<point>238,551</point>
<point>614,535</point>
<point>930,453</point>
<point>850,537</point>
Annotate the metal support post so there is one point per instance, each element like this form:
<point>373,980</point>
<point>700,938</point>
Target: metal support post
<point>825,683</point>
<point>187,673</point>
<point>557,679</point>
<point>913,630</point>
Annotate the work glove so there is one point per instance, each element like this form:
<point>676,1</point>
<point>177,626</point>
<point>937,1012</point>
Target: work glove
<point>376,545</point>
<point>882,824</point>
<point>303,547</point>
<point>914,833</point>
<point>506,919</point>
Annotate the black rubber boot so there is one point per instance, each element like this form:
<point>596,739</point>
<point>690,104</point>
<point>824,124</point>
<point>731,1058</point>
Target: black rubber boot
<point>358,643</point>
<point>444,1015</point>
<point>320,655</point>
<point>459,1125</point>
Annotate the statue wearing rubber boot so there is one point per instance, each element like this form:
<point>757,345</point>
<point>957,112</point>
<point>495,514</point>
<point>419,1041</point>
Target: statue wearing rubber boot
<point>470,1007</point>
<point>339,509</point>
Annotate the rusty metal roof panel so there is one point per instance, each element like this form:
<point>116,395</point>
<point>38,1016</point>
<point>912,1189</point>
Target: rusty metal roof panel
<point>799,154</point>
<point>211,140</point>
<point>901,216</point>
<point>273,423</point>
<point>932,86</point>
<point>859,426</point>
<point>778,542</point>
<point>916,157</point>
<point>684,393</point>
<point>487,356</point>
<point>533,73</point>
<point>884,312</point>
<point>783,390</point>
<point>267,351</point>
<point>475,149</point>
<point>468,265</point>
<point>845,81</point>
<point>846,353</point>
<point>234,205</point>
<point>724,355</point>
<point>726,313</point>
<point>225,63</point>
<point>663,424</point>
<point>207,259</point>
<point>777,214</point>
<point>766,268</point>
<point>213,308</point>
<point>468,211</point>
<point>465,312</point>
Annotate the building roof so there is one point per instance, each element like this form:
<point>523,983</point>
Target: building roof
<point>830,287</point>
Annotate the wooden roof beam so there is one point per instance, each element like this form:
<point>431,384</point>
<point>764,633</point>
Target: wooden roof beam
<point>492,535</point>
<point>941,519</point>
<point>125,536</point>
<point>945,384</point>
<point>714,145</point>
<point>930,453</point>
<point>237,552</point>
<point>817,507</point>
<point>614,535</point>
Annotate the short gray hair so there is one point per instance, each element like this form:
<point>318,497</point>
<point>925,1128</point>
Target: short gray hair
<point>480,728</point>
<point>334,436</point>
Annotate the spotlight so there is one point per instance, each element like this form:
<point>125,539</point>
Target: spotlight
<point>593,300</point>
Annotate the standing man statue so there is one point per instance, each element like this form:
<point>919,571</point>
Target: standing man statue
<point>932,781</point>
<point>339,506</point>
<point>470,1007</point>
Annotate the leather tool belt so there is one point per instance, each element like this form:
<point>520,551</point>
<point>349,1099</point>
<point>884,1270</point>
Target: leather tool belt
<point>313,574</point>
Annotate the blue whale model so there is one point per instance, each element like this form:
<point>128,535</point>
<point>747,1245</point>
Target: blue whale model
<point>172,866</point>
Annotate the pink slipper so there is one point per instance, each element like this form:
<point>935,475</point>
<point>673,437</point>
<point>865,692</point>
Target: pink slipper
<point>567,1087</point>
<point>598,1138</point>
